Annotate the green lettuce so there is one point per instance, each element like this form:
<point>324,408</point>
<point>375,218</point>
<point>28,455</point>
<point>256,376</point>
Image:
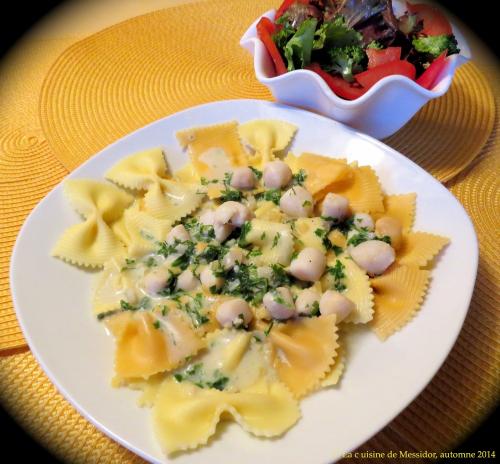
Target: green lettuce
<point>298,49</point>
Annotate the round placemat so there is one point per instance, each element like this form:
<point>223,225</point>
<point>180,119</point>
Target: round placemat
<point>140,70</point>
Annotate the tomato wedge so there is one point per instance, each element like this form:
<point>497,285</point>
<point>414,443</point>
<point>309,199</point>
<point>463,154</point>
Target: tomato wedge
<point>287,4</point>
<point>265,29</point>
<point>371,76</point>
<point>429,76</point>
<point>378,57</point>
<point>338,85</point>
<point>435,21</point>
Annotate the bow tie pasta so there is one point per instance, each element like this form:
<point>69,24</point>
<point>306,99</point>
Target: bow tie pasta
<point>229,286</point>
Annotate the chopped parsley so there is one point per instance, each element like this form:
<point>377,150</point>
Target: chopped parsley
<point>229,193</point>
<point>280,278</point>
<point>150,262</point>
<point>205,181</point>
<point>194,374</point>
<point>254,252</point>
<point>156,324</point>
<point>337,272</point>
<point>126,306</point>
<point>212,252</point>
<point>258,174</point>
<point>218,384</point>
<point>129,264</point>
<point>243,281</point>
<point>102,316</point>
<point>323,235</point>
<point>183,261</point>
<point>170,290</point>
<point>276,240</point>
<point>269,328</point>
<point>273,195</point>
<point>343,226</point>
<point>314,309</point>
<point>245,229</point>
<point>199,232</point>
<point>299,178</point>
<point>306,203</point>
<point>194,308</point>
<point>361,236</point>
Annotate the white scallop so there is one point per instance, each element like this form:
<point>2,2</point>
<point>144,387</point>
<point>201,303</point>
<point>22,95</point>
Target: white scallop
<point>335,206</point>
<point>243,178</point>
<point>280,303</point>
<point>363,221</point>
<point>232,213</point>
<point>187,281</point>
<point>234,312</point>
<point>306,300</point>
<point>374,256</point>
<point>179,234</point>
<point>297,202</point>
<point>276,174</point>
<point>333,302</point>
<point>309,265</point>
<point>209,279</point>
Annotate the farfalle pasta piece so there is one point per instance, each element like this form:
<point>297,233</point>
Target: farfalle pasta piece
<point>171,200</point>
<point>186,416</point>
<point>304,351</point>
<point>323,173</point>
<point>357,288</point>
<point>274,240</point>
<point>333,376</point>
<point>420,248</point>
<point>400,207</point>
<point>141,231</point>
<point>214,150</point>
<point>269,211</point>
<point>111,286</point>
<point>308,232</point>
<point>164,198</point>
<point>147,344</point>
<point>187,174</point>
<point>362,189</point>
<point>149,388</point>
<point>92,242</point>
<point>140,170</point>
<point>267,138</point>
<point>399,293</point>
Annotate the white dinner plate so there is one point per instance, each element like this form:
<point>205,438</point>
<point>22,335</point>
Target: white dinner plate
<point>52,301</point>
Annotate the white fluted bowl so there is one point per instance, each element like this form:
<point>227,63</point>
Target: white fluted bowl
<point>380,112</point>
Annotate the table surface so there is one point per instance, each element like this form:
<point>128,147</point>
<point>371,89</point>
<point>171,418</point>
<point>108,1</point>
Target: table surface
<point>80,18</point>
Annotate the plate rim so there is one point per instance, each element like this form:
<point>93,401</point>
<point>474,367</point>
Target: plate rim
<point>399,157</point>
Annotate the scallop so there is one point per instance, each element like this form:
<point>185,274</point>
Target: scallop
<point>309,265</point>
<point>280,303</point>
<point>333,302</point>
<point>277,174</point>
<point>297,202</point>
<point>374,256</point>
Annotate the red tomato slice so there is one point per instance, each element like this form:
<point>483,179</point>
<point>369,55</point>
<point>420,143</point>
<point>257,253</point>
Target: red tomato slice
<point>435,22</point>
<point>265,28</point>
<point>287,4</point>
<point>378,57</point>
<point>371,76</point>
<point>338,85</point>
<point>429,76</point>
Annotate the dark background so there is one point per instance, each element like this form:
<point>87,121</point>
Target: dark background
<point>21,16</point>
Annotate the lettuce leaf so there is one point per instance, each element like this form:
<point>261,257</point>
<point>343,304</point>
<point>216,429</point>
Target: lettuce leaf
<point>298,49</point>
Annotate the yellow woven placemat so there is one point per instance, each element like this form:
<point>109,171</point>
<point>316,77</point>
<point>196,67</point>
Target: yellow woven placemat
<point>37,152</point>
<point>153,65</point>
